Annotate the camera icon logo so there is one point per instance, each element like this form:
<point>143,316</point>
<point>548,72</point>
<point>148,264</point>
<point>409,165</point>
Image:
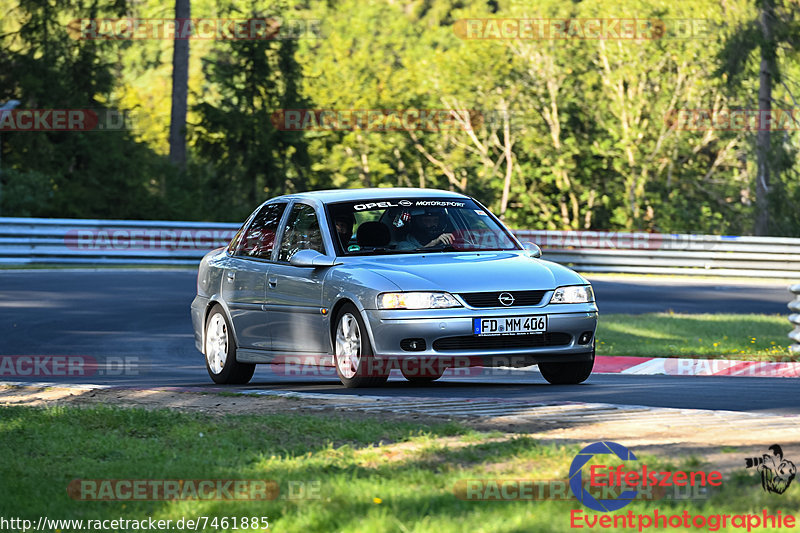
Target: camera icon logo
<point>777,472</point>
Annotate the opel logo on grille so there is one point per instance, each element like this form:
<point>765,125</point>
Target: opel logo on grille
<point>506,299</point>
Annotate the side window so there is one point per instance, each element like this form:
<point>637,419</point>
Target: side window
<point>301,233</point>
<point>259,239</point>
<point>236,239</point>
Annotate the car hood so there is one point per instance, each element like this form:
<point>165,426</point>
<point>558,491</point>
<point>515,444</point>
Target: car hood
<point>471,272</point>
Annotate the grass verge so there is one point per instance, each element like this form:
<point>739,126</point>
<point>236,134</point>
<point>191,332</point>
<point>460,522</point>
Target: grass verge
<point>368,475</point>
<point>713,336</point>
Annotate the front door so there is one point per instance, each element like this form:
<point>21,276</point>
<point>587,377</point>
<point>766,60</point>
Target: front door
<point>294,294</point>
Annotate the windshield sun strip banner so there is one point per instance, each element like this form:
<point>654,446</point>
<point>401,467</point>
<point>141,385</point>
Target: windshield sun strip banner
<point>386,204</point>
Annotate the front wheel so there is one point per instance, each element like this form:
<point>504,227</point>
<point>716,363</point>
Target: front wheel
<point>353,357</point>
<point>220,351</point>
<point>567,373</point>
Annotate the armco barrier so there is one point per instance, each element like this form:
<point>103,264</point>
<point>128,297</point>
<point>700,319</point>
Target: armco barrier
<point>657,253</point>
<point>794,318</point>
<point>78,241</point>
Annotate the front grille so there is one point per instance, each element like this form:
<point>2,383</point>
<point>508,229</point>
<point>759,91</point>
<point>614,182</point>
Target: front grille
<point>501,342</point>
<point>491,299</point>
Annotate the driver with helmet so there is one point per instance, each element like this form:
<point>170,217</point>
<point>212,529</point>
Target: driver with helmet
<point>427,230</point>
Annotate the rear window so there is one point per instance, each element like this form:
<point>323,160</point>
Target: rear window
<point>259,240</point>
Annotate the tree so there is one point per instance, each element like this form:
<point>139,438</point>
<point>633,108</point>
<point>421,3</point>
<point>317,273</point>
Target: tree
<point>767,72</point>
<point>180,88</point>
<point>773,33</point>
<point>69,173</point>
<point>250,159</point>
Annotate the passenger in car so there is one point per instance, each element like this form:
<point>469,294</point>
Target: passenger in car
<point>344,228</point>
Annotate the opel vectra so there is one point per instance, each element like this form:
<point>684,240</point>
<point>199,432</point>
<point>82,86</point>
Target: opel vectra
<point>366,280</point>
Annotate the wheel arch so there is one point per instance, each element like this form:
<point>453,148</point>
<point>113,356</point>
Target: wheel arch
<point>212,301</point>
<point>341,301</point>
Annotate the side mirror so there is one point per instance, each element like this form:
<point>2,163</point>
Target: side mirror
<point>532,249</point>
<point>312,258</point>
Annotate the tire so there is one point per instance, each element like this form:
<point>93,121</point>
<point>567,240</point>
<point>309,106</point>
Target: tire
<point>220,351</point>
<point>353,356</point>
<point>417,372</point>
<point>567,373</point>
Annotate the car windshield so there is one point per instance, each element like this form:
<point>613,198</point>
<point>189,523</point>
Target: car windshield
<point>412,225</point>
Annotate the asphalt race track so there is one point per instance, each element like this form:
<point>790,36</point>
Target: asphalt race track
<point>137,323</point>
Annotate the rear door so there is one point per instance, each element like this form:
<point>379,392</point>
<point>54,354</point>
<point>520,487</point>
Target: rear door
<point>244,282</point>
<point>294,294</point>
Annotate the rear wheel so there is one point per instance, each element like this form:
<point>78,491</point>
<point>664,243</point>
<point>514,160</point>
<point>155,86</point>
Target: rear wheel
<point>567,373</point>
<point>220,351</point>
<point>353,357</point>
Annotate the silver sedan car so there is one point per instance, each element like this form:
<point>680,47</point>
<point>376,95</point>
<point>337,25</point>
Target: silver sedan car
<point>367,280</point>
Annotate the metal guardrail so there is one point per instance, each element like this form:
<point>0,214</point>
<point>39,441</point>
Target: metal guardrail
<point>656,253</point>
<point>794,318</point>
<point>131,242</point>
<point>80,241</point>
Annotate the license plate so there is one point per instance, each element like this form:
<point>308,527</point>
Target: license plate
<point>509,325</point>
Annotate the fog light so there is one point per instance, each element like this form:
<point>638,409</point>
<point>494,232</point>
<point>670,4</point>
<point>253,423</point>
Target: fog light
<point>413,345</point>
<point>585,337</point>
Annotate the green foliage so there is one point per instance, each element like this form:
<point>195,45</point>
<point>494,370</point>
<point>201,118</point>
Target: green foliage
<point>72,174</point>
<point>251,159</point>
<point>741,59</point>
<point>23,193</point>
<point>558,134</point>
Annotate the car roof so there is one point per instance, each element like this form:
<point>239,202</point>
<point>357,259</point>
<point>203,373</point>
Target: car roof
<point>373,193</point>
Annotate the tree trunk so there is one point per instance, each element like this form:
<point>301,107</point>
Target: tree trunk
<point>180,88</point>
<point>766,74</point>
<point>509,161</point>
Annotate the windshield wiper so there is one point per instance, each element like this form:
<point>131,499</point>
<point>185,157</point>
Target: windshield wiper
<point>379,250</point>
<point>451,248</point>
<point>446,248</point>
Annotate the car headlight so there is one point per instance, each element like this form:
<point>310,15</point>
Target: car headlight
<point>573,294</point>
<point>416,300</point>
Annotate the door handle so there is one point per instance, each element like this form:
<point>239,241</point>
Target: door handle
<point>273,282</point>
<point>230,275</point>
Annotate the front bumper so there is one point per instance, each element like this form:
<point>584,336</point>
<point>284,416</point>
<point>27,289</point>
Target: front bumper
<point>453,328</point>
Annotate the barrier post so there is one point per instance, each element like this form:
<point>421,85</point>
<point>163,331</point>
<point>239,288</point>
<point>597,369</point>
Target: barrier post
<point>794,318</point>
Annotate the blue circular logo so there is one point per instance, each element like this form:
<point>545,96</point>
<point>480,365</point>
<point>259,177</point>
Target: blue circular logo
<point>576,480</point>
